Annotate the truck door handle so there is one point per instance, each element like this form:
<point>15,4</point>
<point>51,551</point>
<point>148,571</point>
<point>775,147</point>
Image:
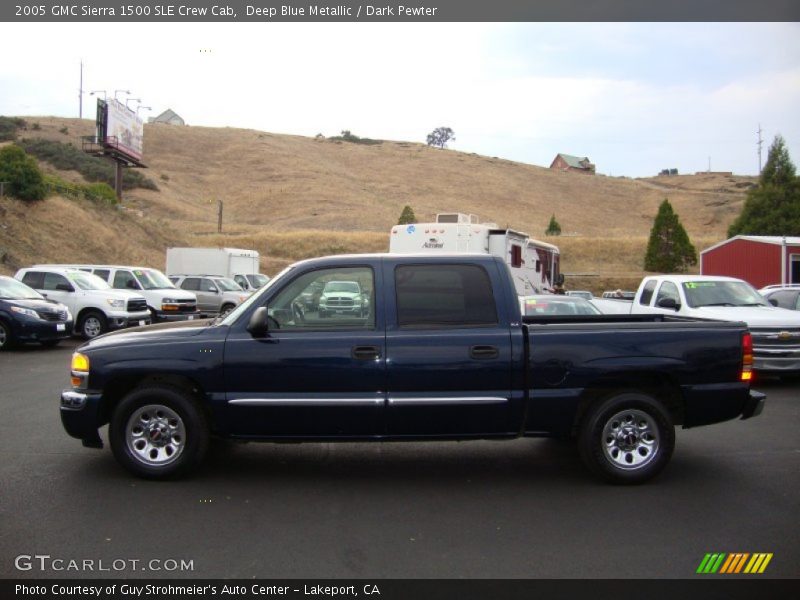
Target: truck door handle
<point>484,352</point>
<point>366,352</point>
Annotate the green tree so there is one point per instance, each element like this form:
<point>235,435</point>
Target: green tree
<point>669,249</point>
<point>772,207</point>
<point>440,136</point>
<point>553,228</point>
<point>22,174</point>
<point>407,216</point>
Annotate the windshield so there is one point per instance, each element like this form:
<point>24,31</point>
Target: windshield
<point>234,314</point>
<point>87,281</point>
<point>257,279</point>
<point>342,286</point>
<point>722,293</point>
<point>11,289</point>
<point>153,279</point>
<point>227,285</point>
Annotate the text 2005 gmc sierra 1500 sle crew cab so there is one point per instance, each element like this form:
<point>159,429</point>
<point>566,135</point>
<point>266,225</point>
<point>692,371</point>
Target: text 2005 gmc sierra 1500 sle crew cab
<point>440,352</point>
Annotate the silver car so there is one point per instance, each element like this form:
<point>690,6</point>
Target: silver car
<point>215,295</point>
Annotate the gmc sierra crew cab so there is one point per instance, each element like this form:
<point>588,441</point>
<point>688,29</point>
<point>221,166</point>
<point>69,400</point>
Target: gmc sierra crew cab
<point>440,353</point>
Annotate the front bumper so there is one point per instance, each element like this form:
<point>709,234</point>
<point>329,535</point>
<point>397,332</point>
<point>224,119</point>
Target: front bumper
<point>36,330</point>
<point>123,320</point>
<point>166,316</point>
<point>754,405</point>
<point>776,362</point>
<point>81,416</point>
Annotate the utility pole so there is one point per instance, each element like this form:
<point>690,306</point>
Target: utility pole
<point>760,141</point>
<point>80,94</point>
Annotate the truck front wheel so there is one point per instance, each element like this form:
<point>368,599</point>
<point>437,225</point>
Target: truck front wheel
<point>627,438</point>
<point>158,432</point>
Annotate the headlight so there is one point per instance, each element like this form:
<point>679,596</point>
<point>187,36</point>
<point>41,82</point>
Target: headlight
<point>116,303</point>
<point>169,301</point>
<point>25,311</point>
<point>79,370</point>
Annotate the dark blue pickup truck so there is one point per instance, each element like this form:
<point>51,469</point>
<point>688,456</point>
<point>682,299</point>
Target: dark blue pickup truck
<point>437,350</point>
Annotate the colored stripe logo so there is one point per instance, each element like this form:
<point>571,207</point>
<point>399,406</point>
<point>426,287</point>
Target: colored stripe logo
<point>735,562</point>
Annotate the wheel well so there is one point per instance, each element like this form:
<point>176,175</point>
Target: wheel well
<point>87,310</point>
<point>227,305</point>
<point>118,388</point>
<point>657,385</point>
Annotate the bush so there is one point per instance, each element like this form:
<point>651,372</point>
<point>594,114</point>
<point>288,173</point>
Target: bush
<point>25,180</point>
<point>354,139</point>
<point>9,126</point>
<point>99,193</point>
<point>64,130</point>
<point>68,158</point>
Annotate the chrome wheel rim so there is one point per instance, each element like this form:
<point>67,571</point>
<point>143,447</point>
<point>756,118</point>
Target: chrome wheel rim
<point>155,435</point>
<point>630,439</point>
<point>92,327</point>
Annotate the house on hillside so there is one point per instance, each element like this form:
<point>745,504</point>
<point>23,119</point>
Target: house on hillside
<point>567,162</point>
<point>169,116</point>
<point>760,260</point>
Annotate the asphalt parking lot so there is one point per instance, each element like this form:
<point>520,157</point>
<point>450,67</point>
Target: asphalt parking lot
<point>521,509</point>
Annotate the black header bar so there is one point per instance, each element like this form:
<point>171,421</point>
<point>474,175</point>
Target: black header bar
<point>408,11</point>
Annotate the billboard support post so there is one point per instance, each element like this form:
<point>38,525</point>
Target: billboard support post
<point>118,180</point>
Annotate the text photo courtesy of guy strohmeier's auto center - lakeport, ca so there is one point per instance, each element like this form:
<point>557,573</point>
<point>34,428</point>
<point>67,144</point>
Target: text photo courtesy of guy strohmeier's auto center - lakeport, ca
<point>579,238</point>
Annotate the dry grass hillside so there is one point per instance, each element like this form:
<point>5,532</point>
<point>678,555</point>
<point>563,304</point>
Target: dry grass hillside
<point>291,197</point>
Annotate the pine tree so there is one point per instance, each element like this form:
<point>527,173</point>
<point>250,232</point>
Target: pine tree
<point>773,207</point>
<point>669,249</point>
<point>407,216</point>
<point>553,228</point>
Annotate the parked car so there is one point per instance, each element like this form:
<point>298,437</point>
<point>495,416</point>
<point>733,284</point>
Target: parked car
<point>215,295</point>
<point>783,296</point>
<point>444,353</point>
<point>165,302</point>
<point>620,295</point>
<point>776,331</point>
<point>251,281</point>
<point>553,304</point>
<point>586,295</point>
<point>27,316</point>
<point>97,308</point>
<point>235,263</point>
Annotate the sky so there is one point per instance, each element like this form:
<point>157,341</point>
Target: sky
<point>635,98</point>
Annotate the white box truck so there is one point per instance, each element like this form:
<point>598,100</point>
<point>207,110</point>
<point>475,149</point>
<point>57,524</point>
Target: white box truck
<point>240,265</point>
<point>534,264</point>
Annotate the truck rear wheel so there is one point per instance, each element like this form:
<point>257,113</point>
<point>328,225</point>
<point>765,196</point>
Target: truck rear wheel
<point>627,438</point>
<point>158,432</point>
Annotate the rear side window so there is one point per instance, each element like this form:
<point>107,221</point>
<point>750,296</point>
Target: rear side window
<point>191,283</point>
<point>102,273</point>
<point>647,293</point>
<point>34,279</point>
<point>444,296</point>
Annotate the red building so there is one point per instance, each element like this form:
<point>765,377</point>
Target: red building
<point>567,162</point>
<point>757,259</point>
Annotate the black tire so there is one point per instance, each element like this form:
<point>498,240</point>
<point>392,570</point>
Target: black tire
<point>91,324</point>
<point>167,418</point>
<point>6,337</point>
<point>226,308</point>
<point>627,438</point>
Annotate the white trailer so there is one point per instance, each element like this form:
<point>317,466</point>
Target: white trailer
<point>240,265</point>
<point>534,264</point>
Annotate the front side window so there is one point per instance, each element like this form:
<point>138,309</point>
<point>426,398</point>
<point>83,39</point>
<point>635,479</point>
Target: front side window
<point>722,293</point>
<point>667,290</point>
<point>207,285</point>
<point>53,280</point>
<point>191,283</point>
<point>124,280</point>
<point>339,298</point>
<point>444,296</point>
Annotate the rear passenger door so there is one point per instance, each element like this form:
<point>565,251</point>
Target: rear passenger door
<point>448,351</point>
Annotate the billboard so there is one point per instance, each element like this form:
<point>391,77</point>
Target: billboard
<point>120,128</point>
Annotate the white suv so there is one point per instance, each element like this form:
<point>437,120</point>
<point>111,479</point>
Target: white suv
<point>97,308</point>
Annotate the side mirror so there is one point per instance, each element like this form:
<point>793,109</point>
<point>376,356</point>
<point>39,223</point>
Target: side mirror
<point>64,287</point>
<point>213,290</point>
<point>259,322</point>
<point>773,302</point>
<point>669,303</point>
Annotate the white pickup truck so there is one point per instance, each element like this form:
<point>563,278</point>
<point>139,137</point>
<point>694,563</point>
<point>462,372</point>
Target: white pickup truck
<point>776,331</point>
